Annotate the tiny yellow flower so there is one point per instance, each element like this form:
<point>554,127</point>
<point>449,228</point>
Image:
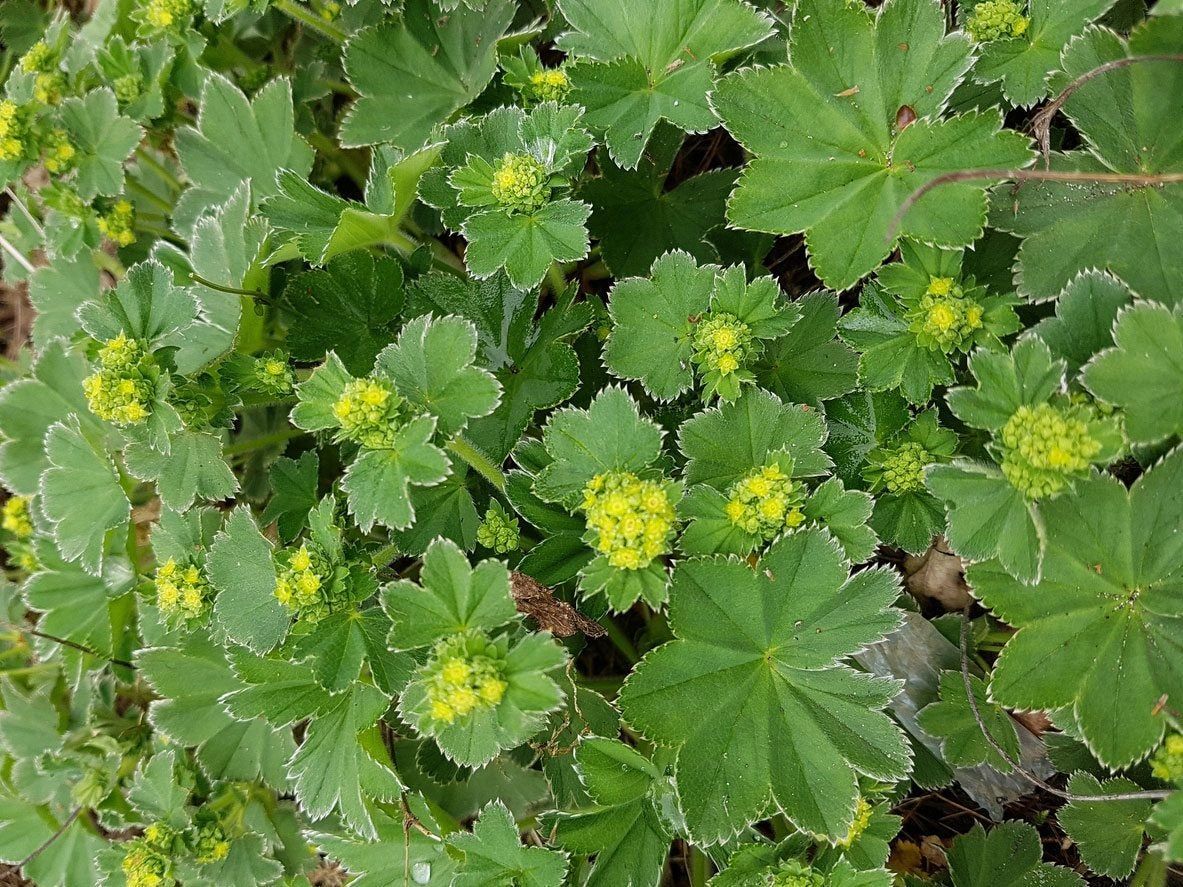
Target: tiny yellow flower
<point>632,519</point>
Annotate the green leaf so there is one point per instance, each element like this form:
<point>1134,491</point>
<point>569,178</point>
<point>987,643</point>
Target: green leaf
<point>830,160</point>
<point>294,487</point>
<point>377,483</point>
<point>952,721</point>
<point>30,406</point>
<point>723,444</point>
<point>1024,64</point>
<point>653,319</point>
<point>1108,833</point>
<point>342,763</point>
<point>80,495</point>
<point>1102,621</point>
<point>56,291</point>
<point>651,63</point>
<point>239,566</point>
<point>156,793</point>
<point>1134,232</point>
<point>988,517</point>
<point>809,364</point>
<point>193,469</point>
<point>246,863</point>
<point>1168,818</point>
<point>846,514</point>
<point>1143,374</point>
<point>431,365</point>
<point>237,140</point>
<point>493,854</point>
<point>530,695</point>
<point>67,858</point>
<point>190,682</point>
<point>323,225</point>
<point>624,829</point>
<point>528,355</point>
<point>763,650</point>
<point>1027,375</point>
<point>74,604</point>
<point>1083,322</point>
<point>526,244</point>
<point>635,219</point>
<point>453,597</point>
<point>414,74</point>
<point>1008,856</point>
<point>145,305</point>
<point>385,861</point>
<point>610,435</point>
<point>348,308</point>
<point>103,140</point>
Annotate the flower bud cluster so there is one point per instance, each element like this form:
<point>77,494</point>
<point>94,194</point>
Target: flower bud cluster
<point>794,874</point>
<point>466,673</point>
<point>209,843</point>
<point>997,20</point>
<point>901,469</point>
<point>1043,447</point>
<point>166,15</point>
<point>121,390</point>
<point>1167,763</point>
<point>550,85</point>
<point>181,590</point>
<point>632,519</point>
<point>368,412</point>
<point>49,82</point>
<point>499,531</point>
<point>148,861</point>
<point>945,319</point>
<point>302,582</point>
<point>765,502</point>
<point>273,373</point>
<point>520,183</point>
<point>722,342</point>
<point>16,141</point>
<point>16,518</point>
<point>118,224</point>
<point>60,153</point>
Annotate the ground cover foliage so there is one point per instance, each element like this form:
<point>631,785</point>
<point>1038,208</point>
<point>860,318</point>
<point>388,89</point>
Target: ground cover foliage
<point>474,443</point>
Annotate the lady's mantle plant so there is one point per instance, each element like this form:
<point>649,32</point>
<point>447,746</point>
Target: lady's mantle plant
<point>478,442</point>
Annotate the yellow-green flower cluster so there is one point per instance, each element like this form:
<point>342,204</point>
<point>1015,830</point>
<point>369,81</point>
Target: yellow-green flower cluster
<point>329,10</point>
<point>128,88</point>
<point>210,844</point>
<point>1043,447</point>
<point>722,343</point>
<point>794,874</point>
<point>15,141</point>
<point>49,84</point>
<point>902,468</point>
<point>60,153</point>
<point>550,85</point>
<point>368,412</point>
<point>121,390</point>
<point>166,15</point>
<point>466,673</point>
<point>118,224</point>
<point>181,590</point>
<point>632,519</point>
<point>765,502</point>
<point>1167,762</point>
<point>945,319</point>
<point>147,861</point>
<point>303,576</point>
<point>499,531</point>
<point>997,20</point>
<point>520,183</point>
<point>862,819</point>
<point>273,373</point>
<point>16,518</point>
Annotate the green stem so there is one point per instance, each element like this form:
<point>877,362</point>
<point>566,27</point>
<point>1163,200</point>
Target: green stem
<point>223,288</point>
<point>699,866</point>
<point>555,278</point>
<point>109,263</point>
<point>329,148</point>
<point>477,460</point>
<point>146,158</point>
<point>151,196</point>
<point>262,442</point>
<point>159,233</point>
<point>620,639</point>
<point>309,19</point>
